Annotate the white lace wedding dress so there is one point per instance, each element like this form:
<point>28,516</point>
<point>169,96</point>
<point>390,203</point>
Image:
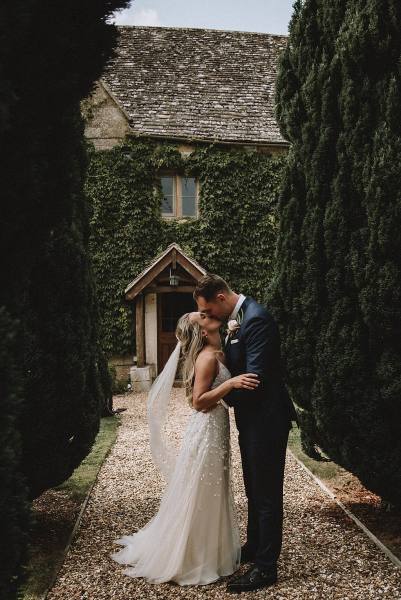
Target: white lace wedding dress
<point>194,537</point>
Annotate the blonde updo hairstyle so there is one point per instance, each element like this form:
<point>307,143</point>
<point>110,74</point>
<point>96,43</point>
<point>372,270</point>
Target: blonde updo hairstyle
<point>192,342</point>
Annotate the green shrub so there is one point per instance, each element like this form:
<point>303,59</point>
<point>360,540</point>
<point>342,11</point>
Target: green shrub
<point>337,285</point>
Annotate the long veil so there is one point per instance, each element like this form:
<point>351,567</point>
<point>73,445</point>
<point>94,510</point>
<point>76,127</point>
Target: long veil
<point>164,454</point>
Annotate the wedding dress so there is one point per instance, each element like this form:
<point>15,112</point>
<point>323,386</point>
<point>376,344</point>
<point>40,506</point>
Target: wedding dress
<point>194,537</point>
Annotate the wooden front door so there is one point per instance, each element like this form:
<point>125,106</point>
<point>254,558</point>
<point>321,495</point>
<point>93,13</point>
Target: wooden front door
<point>170,307</point>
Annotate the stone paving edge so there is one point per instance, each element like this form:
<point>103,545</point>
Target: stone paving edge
<point>394,559</point>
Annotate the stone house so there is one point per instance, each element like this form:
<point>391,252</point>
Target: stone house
<point>189,86</point>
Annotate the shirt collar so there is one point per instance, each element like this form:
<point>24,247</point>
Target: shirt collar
<point>237,307</point>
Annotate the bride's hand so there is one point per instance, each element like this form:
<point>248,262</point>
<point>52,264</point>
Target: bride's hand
<point>247,381</point>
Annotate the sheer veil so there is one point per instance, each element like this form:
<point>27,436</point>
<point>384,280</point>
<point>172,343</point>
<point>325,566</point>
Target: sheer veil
<point>163,453</point>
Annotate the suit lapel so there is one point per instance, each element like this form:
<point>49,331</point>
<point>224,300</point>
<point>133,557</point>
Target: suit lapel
<point>227,346</point>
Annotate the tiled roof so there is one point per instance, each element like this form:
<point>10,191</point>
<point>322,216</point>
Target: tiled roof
<point>194,83</point>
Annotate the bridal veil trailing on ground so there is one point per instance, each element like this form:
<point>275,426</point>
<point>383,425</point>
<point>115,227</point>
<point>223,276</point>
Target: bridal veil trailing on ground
<point>193,539</point>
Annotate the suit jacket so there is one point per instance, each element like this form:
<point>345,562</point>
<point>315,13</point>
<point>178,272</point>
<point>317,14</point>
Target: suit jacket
<point>255,348</point>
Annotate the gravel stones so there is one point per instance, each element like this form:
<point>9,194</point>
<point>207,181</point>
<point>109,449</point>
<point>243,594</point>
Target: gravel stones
<point>324,554</point>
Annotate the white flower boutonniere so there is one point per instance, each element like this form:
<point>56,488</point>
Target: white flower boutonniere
<point>233,325</point>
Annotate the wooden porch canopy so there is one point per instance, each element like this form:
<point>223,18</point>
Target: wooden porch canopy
<point>170,271</point>
<point>172,256</point>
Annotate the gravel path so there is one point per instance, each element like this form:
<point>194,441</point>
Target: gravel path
<point>324,554</point>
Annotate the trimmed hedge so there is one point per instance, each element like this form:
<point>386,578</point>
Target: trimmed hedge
<point>51,54</point>
<point>337,286</point>
<point>15,509</point>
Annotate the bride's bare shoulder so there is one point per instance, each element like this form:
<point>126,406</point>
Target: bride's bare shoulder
<point>206,361</point>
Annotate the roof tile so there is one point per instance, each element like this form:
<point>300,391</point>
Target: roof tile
<point>197,83</point>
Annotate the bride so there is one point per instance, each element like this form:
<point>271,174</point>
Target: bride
<point>194,537</point>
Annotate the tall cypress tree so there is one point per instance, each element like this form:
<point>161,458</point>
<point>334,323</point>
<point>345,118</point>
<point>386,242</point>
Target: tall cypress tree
<point>298,294</point>
<point>337,284</point>
<point>51,393</point>
<point>15,519</point>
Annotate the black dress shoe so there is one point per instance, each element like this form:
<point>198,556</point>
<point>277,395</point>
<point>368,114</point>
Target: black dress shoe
<point>253,579</point>
<point>247,555</point>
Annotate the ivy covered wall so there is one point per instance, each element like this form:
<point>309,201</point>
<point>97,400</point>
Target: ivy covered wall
<point>234,235</point>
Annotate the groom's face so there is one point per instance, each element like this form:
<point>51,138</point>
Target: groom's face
<point>217,308</point>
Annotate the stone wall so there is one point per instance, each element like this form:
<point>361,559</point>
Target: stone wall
<point>106,123</point>
<point>122,364</point>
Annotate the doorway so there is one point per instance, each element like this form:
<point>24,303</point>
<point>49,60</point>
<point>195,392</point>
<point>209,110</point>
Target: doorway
<point>170,307</point>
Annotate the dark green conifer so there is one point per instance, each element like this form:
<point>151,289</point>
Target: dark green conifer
<point>51,52</point>
<point>337,285</point>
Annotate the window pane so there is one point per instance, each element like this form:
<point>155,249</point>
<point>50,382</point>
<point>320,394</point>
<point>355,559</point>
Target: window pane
<point>167,206</point>
<point>168,195</point>
<point>188,196</point>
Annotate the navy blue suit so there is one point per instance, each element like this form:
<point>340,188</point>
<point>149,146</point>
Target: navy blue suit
<point>263,417</point>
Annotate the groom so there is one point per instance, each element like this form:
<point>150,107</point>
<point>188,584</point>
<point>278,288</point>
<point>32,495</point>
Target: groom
<point>263,417</point>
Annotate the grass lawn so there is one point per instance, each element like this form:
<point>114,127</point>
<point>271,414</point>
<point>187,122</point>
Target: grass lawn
<point>56,511</point>
<point>323,470</point>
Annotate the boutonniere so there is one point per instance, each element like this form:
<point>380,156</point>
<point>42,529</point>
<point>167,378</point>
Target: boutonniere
<point>233,325</point>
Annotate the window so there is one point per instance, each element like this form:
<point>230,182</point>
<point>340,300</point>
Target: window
<point>180,196</point>
<point>169,196</point>
<point>188,196</point>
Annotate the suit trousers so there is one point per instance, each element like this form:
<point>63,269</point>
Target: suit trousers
<point>263,462</point>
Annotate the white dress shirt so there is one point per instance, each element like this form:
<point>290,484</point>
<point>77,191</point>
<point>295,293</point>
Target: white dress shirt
<point>237,307</point>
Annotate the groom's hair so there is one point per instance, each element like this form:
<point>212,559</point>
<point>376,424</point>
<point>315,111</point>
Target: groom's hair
<point>210,285</point>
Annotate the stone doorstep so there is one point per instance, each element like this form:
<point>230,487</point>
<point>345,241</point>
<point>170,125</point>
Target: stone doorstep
<point>142,378</point>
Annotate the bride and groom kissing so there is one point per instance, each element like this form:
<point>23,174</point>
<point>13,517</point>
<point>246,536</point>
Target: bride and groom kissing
<point>194,537</point>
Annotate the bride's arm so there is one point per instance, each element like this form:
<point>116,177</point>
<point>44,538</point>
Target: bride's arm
<point>205,372</point>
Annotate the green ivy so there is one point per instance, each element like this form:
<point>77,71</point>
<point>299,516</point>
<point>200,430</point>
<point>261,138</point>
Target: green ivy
<point>234,235</point>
